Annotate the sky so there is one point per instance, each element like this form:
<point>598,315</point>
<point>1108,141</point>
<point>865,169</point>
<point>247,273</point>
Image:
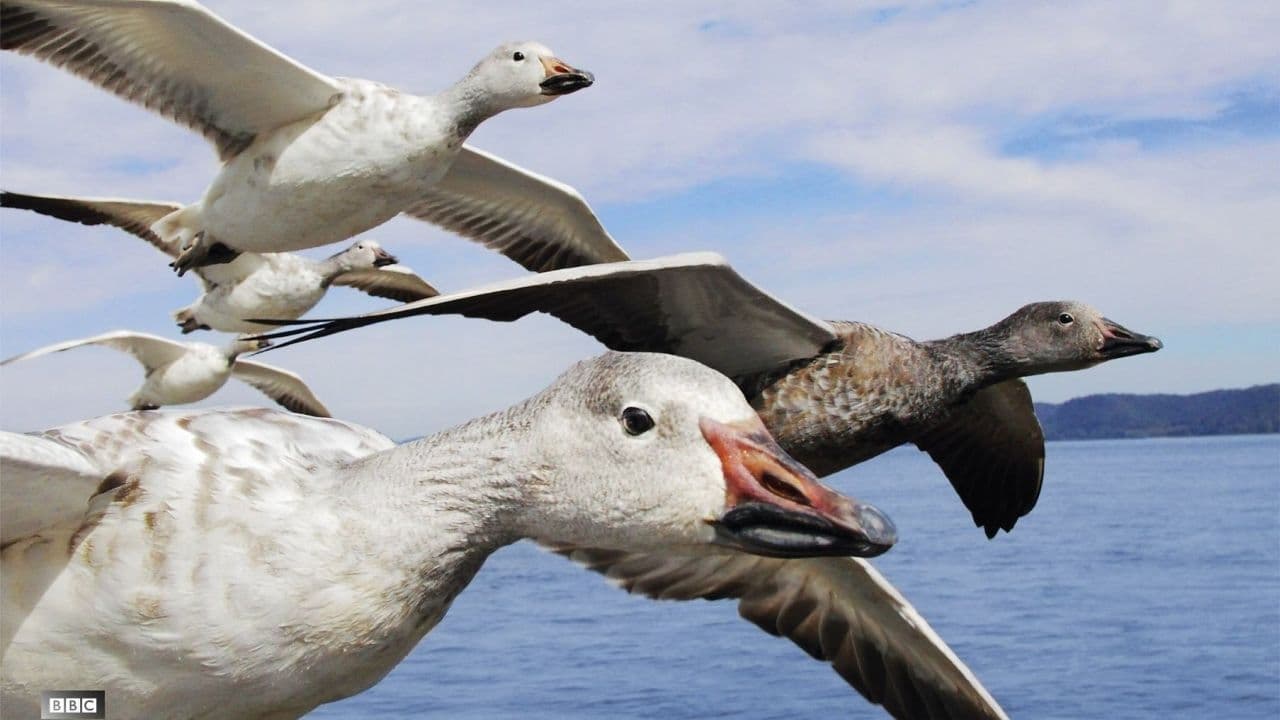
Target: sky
<point>926,167</point>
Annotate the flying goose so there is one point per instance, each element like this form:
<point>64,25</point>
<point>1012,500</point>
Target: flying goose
<point>277,285</point>
<point>308,159</point>
<point>179,373</point>
<point>251,563</point>
<point>833,393</point>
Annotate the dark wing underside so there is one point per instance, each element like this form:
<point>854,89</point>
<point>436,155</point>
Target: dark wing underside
<point>991,448</point>
<point>838,610</point>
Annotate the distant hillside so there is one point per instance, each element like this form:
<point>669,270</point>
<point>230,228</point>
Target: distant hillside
<point>1220,412</point>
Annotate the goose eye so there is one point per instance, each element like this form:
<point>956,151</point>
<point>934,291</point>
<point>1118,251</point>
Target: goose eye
<point>1066,319</point>
<point>518,56</point>
<point>636,421</point>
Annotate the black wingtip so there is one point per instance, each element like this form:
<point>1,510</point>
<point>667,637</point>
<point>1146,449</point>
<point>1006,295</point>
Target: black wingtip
<point>281,323</point>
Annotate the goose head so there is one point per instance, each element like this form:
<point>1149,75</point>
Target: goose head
<point>525,74</point>
<point>1067,335</point>
<point>654,451</point>
<point>244,344</point>
<point>362,256</point>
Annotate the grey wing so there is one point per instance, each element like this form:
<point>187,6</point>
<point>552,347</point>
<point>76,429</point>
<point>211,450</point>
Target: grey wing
<point>693,305</point>
<point>536,221</point>
<point>280,385</point>
<point>991,448</point>
<point>42,484</point>
<point>839,610</point>
<point>132,216</point>
<point>393,281</point>
<point>175,58</point>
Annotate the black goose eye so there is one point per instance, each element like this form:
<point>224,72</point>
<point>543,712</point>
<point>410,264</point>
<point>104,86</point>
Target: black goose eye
<point>1066,319</point>
<point>518,56</point>
<point>636,421</point>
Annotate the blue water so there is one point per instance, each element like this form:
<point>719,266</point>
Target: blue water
<point>1145,584</point>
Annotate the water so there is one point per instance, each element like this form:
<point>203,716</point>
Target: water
<point>1145,584</point>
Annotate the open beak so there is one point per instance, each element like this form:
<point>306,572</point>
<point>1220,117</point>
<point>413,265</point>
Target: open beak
<point>776,507</point>
<point>1118,341</point>
<point>563,78</point>
<point>382,258</point>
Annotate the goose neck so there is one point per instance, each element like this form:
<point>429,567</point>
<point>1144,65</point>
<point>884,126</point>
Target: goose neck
<point>330,268</point>
<point>459,491</point>
<point>465,105</point>
<point>977,359</point>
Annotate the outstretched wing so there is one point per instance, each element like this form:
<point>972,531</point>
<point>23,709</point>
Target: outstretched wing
<point>173,57</point>
<point>150,350</point>
<point>693,305</point>
<point>536,221</point>
<point>42,484</point>
<point>991,448</point>
<point>839,610</point>
<point>282,386</point>
<point>132,216</point>
<point>396,282</point>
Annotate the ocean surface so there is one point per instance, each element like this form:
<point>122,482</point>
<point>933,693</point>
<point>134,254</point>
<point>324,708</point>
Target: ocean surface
<point>1145,584</point>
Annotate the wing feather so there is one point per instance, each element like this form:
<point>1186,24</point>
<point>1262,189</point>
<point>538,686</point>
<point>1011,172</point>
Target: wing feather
<point>280,385</point>
<point>132,216</point>
<point>693,305</point>
<point>393,281</point>
<point>42,484</point>
<point>991,448</point>
<point>838,610</point>
<point>173,57</point>
<point>532,219</point>
<point>152,351</point>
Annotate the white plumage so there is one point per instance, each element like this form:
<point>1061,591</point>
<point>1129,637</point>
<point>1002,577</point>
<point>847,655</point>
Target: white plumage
<point>250,563</point>
<point>308,159</point>
<point>280,286</point>
<point>179,373</point>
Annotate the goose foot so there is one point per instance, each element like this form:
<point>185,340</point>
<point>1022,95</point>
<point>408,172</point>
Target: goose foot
<point>190,325</point>
<point>202,252</point>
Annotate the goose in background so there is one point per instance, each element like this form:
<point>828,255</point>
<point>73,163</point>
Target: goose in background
<point>251,563</point>
<point>277,285</point>
<point>179,373</point>
<point>833,393</point>
<point>308,159</point>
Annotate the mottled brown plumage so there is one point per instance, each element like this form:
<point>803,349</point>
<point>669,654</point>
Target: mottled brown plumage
<point>833,394</point>
<point>959,398</point>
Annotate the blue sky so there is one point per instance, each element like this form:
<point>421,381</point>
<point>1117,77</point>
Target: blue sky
<point>928,167</point>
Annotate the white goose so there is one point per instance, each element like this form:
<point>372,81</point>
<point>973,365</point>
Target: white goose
<point>253,285</point>
<point>308,159</point>
<point>179,373</point>
<point>249,563</point>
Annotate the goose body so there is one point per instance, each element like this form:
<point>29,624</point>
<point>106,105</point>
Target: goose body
<point>250,563</point>
<point>180,373</point>
<point>252,285</point>
<point>284,285</point>
<point>277,283</point>
<point>833,393</point>
<point>308,159</point>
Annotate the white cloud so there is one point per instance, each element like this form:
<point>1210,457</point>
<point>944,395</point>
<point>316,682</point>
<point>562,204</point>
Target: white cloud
<point>1171,239</point>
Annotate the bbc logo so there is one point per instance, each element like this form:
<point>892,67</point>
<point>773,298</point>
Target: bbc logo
<point>73,704</point>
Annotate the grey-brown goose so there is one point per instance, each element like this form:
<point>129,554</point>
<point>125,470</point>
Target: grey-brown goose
<point>834,394</point>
